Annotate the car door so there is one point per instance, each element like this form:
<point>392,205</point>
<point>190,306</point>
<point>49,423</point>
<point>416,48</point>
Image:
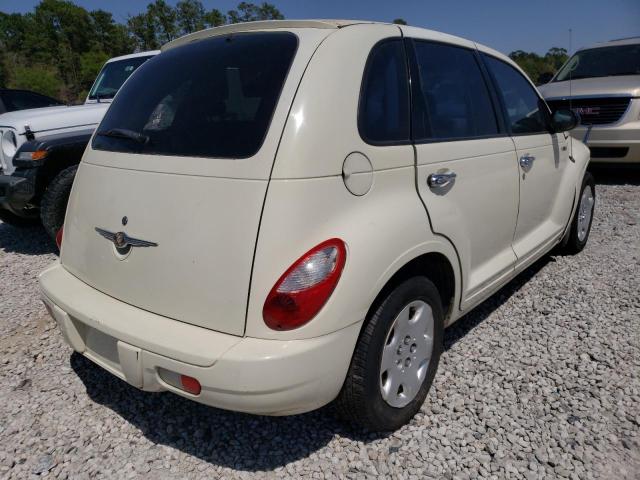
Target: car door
<point>466,169</point>
<point>545,203</point>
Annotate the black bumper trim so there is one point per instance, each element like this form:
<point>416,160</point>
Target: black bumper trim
<point>15,193</point>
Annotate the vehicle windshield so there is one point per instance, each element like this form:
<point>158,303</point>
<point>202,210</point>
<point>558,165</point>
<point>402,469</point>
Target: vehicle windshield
<point>210,98</point>
<point>113,75</point>
<point>602,62</point>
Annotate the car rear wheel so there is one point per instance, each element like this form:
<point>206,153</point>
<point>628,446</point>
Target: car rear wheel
<point>54,201</point>
<point>578,234</point>
<point>395,359</point>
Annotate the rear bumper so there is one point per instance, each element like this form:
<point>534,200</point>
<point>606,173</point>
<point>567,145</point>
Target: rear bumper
<point>16,193</point>
<point>613,144</point>
<point>251,375</point>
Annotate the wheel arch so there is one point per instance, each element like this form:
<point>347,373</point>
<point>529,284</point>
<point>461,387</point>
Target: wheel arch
<point>440,265</point>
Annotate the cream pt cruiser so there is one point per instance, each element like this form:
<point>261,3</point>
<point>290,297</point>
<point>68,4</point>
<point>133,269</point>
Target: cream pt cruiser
<point>276,215</point>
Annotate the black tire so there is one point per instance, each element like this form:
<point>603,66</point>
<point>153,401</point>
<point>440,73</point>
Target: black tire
<point>360,400</point>
<point>571,243</point>
<point>53,205</point>
<point>14,220</point>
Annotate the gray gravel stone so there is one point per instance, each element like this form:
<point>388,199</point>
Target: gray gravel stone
<point>540,381</point>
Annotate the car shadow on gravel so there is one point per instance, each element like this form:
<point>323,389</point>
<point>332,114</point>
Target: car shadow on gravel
<point>479,314</point>
<point>615,174</point>
<point>228,439</point>
<point>28,240</point>
<point>241,441</point>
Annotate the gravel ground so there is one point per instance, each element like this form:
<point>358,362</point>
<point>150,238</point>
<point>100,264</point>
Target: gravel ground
<point>541,381</point>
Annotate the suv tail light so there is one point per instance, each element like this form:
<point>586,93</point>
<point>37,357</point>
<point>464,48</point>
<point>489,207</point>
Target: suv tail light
<point>305,287</point>
<point>59,237</point>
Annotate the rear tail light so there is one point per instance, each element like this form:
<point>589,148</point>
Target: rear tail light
<point>59,237</point>
<point>305,287</point>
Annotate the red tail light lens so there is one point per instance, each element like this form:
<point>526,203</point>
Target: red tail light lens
<point>190,384</point>
<point>59,237</point>
<point>305,287</point>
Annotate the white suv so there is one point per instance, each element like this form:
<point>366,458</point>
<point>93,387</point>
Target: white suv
<point>602,84</point>
<point>276,215</point>
<point>20,126</point>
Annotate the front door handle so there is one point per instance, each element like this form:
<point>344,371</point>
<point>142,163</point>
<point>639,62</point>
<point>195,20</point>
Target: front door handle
<point>526,161</point>
<point>440,180</point>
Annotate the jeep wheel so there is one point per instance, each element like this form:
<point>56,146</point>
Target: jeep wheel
<point>395,359</point>
<point>53,205</point>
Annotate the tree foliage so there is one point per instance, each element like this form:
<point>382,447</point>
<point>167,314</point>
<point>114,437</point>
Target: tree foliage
<point>59,47</point>
<point>534,65</point>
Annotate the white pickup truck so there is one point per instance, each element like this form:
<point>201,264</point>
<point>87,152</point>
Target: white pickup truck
<point>18,127</point>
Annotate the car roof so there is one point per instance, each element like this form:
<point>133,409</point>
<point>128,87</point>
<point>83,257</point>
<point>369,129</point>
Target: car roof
<point>318,23</point>
<point>615,43</point>
<point>262,25</point>
<point>134,55</point>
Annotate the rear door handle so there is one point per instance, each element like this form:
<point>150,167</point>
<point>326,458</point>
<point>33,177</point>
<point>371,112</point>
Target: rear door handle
<point>526,161</point>
<point>440,180</point>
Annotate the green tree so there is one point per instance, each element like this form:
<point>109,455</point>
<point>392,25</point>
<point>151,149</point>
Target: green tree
<point>39,78</point>
<point>190,15</point>
<point>109,36</point>
<point>400,21</point>
<point>535,66</point>
<point>250,12</point>
<point>59,47</point>
<point>556,57</point>
<point>214,18</point>
<point>143,32</point>
<point>164,18</point>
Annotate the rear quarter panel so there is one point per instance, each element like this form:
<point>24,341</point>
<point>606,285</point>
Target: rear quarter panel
<point>307,201</point>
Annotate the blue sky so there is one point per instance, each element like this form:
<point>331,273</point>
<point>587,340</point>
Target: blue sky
<point>501,24</point>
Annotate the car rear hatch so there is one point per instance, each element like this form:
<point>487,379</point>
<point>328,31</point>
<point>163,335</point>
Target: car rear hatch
<point>166,205</point>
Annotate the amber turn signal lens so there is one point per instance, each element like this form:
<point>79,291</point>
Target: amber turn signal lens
<point>38,155</point>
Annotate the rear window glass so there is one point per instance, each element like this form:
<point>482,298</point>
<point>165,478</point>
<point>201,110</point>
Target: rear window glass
<point>210,98</point>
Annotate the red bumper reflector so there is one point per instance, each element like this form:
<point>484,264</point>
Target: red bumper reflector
<point>190,384</point>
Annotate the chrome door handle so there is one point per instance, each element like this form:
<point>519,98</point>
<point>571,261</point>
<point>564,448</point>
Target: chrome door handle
<point>440,180</point>
<point>526,161</point>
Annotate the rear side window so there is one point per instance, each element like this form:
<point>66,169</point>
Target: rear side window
<point>453,100</point>
<point>210,98</point>
<point>21,100</point>
<point>522,103</point>
<point>383,116</point>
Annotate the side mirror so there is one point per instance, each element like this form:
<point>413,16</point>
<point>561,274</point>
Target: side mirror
<point>564,120</point>
<point>544,78</point>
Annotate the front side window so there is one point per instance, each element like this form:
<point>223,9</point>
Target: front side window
<point>113,75</point>
<point>453,100</point>
<point>522,103</point>
<point>384,102</point>
<point>602,62</point>
<point>210,98</point>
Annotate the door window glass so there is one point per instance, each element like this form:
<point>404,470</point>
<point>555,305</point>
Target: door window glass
<point>453,98</point>
<point>523,105</point>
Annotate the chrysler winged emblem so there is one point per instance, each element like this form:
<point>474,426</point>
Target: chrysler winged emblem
<point>123,241</point>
